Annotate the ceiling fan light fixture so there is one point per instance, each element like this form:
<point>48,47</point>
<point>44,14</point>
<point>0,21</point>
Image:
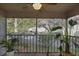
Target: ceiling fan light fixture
<point>37,6</point>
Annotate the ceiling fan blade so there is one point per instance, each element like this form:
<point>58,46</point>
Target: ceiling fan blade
<point>52,3</point>
<point>27,5</point>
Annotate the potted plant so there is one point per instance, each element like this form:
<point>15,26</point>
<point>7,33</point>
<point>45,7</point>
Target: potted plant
<point>9,44</point>
<point>65,39</point>
<point>56,37</point>
<point>46,40</point>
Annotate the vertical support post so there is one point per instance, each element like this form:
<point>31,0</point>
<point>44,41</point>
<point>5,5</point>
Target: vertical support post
<point>5,31</point>
<point>6,28</point>
<point>37,14</point>
<point>36,33</point>
<point>2,28</point>
<point>66,37</point>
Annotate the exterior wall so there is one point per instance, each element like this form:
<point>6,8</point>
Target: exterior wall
<point>2,26</point>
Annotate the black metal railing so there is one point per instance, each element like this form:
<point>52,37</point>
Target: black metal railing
<point>43,44</point>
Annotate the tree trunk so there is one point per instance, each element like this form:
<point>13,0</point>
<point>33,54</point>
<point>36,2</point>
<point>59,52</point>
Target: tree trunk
<point>15,25</point>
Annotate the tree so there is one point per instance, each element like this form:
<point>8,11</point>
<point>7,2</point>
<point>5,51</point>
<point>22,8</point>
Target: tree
<point>15,25</point>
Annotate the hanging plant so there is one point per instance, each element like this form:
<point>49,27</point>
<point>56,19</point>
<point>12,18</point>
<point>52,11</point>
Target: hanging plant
<point>72,22</point>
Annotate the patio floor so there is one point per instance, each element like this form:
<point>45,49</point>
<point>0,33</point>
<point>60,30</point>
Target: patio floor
<point>36,54</point>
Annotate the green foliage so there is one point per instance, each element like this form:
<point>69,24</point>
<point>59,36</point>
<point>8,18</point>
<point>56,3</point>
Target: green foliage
<point>22,24</point>
<point>56,28</point>
<point>9,44</point>
<point>57,35</point>
<point>72,22</point>
<point>60,48</point>
<point>10,25</point>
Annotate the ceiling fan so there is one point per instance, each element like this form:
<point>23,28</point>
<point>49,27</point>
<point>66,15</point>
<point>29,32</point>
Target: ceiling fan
<point>43,4</point>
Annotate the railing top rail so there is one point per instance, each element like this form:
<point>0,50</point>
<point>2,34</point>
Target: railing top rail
<point>30,34</point>
<point>38,35</point>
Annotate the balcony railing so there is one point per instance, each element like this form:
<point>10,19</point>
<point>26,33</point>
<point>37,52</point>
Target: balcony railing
<point>43,44</point>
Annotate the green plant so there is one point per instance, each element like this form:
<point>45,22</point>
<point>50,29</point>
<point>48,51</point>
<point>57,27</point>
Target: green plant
<point>46,40</point>
<point>67,38</point>
<point>72,22</point>
<point>57,36</point>
<point>9,44</point>
<point>56,28</point>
